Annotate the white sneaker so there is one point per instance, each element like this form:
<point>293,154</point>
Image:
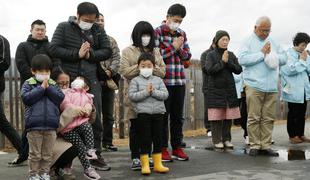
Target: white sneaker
<point>209,134</point>
<point>45,176</point>
<point>219,145</point>
<point>246,140</point>
<point>35,177</point>
<point>90,173</point>
<point>228,144</point>
<point>91,154</point>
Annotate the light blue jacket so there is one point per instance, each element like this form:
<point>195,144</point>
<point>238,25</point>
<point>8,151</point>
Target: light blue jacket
<point>239,84</point>
<point>295,78</point>
<point>256,73</point>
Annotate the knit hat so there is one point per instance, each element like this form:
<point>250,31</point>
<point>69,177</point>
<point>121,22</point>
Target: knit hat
<point>219,34</point>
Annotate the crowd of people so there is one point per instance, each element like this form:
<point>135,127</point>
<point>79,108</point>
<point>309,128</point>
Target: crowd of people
<point>68,88</point>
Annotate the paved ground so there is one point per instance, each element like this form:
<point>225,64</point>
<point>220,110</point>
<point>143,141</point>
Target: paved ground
<point>205,164</point>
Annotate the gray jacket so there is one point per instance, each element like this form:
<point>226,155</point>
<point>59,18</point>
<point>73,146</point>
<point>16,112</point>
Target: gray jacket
<point>144,102</point>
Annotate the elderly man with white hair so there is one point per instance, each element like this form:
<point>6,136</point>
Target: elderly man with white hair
<point>261,57</point>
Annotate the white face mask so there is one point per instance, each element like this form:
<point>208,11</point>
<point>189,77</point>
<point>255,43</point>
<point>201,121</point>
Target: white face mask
<point>85,25</point>
<point>77,84</point>
<point>145,40</point>
<point>146,72</point>
<point>173,26</point>
<point>42,77</point>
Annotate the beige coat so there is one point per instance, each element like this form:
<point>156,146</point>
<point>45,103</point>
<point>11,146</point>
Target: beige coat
<point>129,69</point>
<point>66,117</point>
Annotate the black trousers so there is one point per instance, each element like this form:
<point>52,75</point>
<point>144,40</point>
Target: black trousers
<point>66,158</point>
<point>244,115</point>
<point>95,89</point>
<point>107,115</point>
<point>134,141</point>
<point>206,121</point>
<point>7,129</point>
<point>296,119</point>
<point>149,132</point>
<point>174,107</point>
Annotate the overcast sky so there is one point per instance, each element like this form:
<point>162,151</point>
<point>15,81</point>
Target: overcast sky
<point>203,19</point>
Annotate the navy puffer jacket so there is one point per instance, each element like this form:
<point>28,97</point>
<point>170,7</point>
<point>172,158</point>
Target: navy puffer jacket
<point>42,105</point>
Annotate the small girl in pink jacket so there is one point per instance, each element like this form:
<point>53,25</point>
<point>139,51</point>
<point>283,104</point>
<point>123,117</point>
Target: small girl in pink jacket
<point>79,131</point>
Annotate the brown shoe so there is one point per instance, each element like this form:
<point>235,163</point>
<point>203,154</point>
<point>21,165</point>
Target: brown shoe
<point>295,140</point>
<point>305,139</point>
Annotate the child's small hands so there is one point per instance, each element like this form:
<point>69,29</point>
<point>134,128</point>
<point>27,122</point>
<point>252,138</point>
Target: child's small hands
<point>87,110</point>
<point>44,84</point>
<point>150,88</point>
<point>80,111</point>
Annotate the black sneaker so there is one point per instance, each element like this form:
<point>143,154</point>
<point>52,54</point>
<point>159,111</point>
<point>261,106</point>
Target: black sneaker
<point>99,164</point>
<point>253,152</point>
<point>109,147</point>
<point>269,152</point>
<point>18,161</point>
<point>136,164</point>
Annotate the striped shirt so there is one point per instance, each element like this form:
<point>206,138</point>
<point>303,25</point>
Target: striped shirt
<point>173,58</point>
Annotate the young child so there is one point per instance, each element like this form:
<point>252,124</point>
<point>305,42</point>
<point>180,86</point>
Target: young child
<point>42,98</point>
<point>79,131</point>
<point>148,92</point>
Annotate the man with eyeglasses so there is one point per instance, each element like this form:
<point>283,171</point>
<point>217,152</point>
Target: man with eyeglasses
<point>261,57</point>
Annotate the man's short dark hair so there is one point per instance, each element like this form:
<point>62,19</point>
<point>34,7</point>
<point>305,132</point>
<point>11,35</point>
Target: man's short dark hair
<point>146,56</point>
<point>41,62</point>
<point>177,10</point>
<point>37,22</point>
<point>87,8</point>
<point>301,38</point>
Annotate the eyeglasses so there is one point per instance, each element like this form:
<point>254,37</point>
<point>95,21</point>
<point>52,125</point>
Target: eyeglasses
<point>265,31</point>
<point>63,84</point>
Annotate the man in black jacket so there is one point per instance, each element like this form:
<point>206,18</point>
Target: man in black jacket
<point>37,43</point>
<point>5,127</point>
<point>81,44</point>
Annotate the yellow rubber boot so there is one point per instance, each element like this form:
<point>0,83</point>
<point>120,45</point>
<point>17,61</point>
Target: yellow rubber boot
<point>158,165</point>
<point>145,164</point>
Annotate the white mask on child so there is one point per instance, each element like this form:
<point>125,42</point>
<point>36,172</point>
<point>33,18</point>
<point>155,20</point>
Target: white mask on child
<point>42,77</point>
<point>173,26</point>
<point>146,72</point>
<point>77,84</point>
<point>145,40</point>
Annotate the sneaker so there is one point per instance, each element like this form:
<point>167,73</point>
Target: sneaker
<point>269,152</point>
<point>179,154</point>
<point>136,164</point>
<point>18,161</point>
<point>165,155</point>
<point>45,176</point>
<point>209,133</point>
<point>295,140</point>
<point>107,147</point>
<point>253,152</point>
<point>91,154</point>
<point>35,177</point>
<point>99,164</point>
<point>228,144</point>
<point>219,145</point>
<point>247,140</point>
<point>305,139</point>
<point>91,173</point>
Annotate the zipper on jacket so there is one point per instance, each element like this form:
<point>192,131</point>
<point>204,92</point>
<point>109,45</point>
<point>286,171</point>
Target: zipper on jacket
<point>45,112</point>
